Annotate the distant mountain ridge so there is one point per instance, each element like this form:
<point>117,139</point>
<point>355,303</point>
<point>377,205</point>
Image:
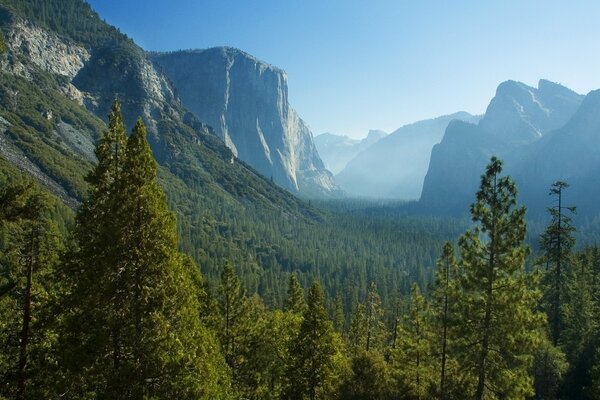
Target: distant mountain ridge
<point>396,165</point>
<point>337,150</point>
<point>519,117</point>
<point>245,100</point>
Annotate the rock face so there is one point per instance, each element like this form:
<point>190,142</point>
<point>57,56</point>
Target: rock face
<point>570,153</point>
<point>246,102</point>
<point>396,165</point>
<point>337,150</point>
<point>518,116</point>
<point>71,77</point>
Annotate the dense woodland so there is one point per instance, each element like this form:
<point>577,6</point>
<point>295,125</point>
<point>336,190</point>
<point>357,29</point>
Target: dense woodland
<point>110,307</point>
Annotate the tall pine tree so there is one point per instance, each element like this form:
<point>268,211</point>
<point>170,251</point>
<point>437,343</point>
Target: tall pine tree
<point>557,241</point>
<point>133,327</point>
<point>443,314</point>
<point>498,324</point>
<point>311,367</point>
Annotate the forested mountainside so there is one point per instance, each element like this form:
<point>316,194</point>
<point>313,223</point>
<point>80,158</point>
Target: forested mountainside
<point>53,112</point>
<point>139,259</point>
<point>114,310</point>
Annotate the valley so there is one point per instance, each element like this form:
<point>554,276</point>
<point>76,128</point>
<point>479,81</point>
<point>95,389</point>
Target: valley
<point>171,227</point>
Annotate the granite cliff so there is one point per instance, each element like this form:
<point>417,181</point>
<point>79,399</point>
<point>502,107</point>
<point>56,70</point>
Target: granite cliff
<point>518,117</point>
<point>245,100</point>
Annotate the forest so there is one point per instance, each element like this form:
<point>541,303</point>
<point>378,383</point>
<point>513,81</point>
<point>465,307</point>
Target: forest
<point>110,306</point>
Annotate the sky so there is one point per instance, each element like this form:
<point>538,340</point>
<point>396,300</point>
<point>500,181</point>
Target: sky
<point>379,64</point>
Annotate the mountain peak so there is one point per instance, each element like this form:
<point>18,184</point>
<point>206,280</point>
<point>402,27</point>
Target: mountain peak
<point>375,134</point>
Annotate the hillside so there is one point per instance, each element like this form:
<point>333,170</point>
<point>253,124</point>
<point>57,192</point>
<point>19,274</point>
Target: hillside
<point>395,166</point>
<point>58,82</point>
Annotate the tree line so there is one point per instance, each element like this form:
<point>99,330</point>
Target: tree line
<point>114,310</point>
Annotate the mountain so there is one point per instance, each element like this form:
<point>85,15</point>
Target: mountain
<point>62,69</point>
<point>396,165</point>
<point>517,117</point>
<point>570,153</point>
<point>337,150</point>
<point>246,101</point>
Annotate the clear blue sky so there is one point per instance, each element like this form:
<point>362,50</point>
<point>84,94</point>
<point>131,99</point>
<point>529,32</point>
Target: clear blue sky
<point>378,64</point>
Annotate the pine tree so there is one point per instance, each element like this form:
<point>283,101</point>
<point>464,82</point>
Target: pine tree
<point>498,324</point>
<point>579,333</point>
<point>376,333</point>
<point>413,366</point>
<point>26,281</point>
<point>339,318</point>
<point>357,332</point>
<point>133,326</point>
<point>369,378</point>
<point>295,296</point>
<point>236,324</point>
<point>557,241</point>
<point>367,329</point>
<point>443,309</point>
<point>312,352</point>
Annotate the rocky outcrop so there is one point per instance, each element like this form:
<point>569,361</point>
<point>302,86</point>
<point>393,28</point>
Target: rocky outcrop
<point>31,48</point>
<point>395,166</point>
<point>517,117</point>
<point>570,153</point>
<point>246,102</point>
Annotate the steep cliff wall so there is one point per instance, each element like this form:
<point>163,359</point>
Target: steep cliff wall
<point>246,101</point>
<point>517,117</point>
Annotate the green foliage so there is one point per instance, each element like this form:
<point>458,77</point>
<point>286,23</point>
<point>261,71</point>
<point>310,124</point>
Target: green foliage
<point>133,327</point>
<point>413,366</point>
<point>72,18</point>
<point>444,314</point>
<point>311,370</point>
<point>556,242</point>
<point>498,323</point>
<point>549,369</point>
<point>3,46</point>
<point>29,248</point>
<point>367,328</point>
<point>369,378</point>
<point>295,297</point>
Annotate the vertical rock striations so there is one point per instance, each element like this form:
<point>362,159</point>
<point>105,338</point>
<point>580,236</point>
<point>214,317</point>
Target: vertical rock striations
<point>246,101</point>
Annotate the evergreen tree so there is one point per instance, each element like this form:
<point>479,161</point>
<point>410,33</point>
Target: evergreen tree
<point>311,368</point>
<point>498,324</point>
<point>235,330</point>
<point>339,318</point>
<point>133,327</point>
<point>27,260</point>
<point>549,369</point>
<point>295,296</point>
<point>357,332</point>
<point>413,365</point>
<point>579,333</point>
<point>367,329</point>
<point>443,309</point>
<point>557,242</point>
<point>369,378</point>
<point>376,333</point>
